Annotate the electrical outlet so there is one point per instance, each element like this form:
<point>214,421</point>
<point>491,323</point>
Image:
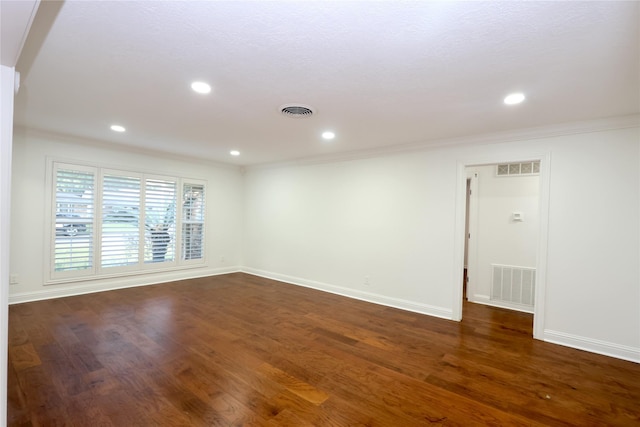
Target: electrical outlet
<point>14,279</point>
<point>366,280</point>
<point>221,259</point>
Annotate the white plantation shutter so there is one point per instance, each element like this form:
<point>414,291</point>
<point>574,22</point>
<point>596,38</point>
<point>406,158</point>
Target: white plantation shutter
<point>192,221</point>
<point>112,222</point>
<point>160,220</point>
<point>74,219</point>
<point>120,220</point>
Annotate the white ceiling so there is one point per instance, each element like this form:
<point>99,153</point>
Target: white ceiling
<point>377,73</point>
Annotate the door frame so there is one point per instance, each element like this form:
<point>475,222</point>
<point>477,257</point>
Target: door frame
<point>543,231</point>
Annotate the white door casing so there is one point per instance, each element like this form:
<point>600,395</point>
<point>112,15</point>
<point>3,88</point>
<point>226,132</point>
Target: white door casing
<point>541,251</point>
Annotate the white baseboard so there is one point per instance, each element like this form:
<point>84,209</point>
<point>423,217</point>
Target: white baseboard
<point>57,291</point>
<point>605,348</point>
<point>80,288</point>
<point>444,313</point>
<point>486,300</point>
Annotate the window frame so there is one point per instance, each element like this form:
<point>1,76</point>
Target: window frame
<point>97,270</point>
<point>51,220</point>
<point>179,246</point>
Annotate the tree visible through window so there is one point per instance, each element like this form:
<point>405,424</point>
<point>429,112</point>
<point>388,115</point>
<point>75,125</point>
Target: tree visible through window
<point>160,220</point>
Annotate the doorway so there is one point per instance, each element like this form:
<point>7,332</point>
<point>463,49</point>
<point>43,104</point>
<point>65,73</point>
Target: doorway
<point>502,227</point>
<point>469,227</point>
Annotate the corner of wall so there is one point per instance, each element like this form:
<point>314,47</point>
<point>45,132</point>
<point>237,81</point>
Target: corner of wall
<point>430,310</point>
<point>6,143</point>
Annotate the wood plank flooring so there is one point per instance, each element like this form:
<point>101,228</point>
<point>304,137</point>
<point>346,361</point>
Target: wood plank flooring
<point>238,350</point>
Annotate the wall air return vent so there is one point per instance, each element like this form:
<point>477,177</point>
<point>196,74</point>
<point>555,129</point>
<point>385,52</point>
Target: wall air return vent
<point>514,286</point>
<point>525,168</point>
<point>296,110</point>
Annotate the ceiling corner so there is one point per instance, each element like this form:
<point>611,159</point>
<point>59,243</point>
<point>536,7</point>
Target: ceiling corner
<point>16,20</point>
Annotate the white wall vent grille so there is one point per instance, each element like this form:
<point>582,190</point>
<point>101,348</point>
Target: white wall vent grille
<point>511,169</point>
<point>513,285</point>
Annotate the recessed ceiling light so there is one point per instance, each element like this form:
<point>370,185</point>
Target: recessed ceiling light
<point>234,152</point>
<point>201,87</point>
<point>514,98</point>
<point>328,135</point>
<point>117,128</point>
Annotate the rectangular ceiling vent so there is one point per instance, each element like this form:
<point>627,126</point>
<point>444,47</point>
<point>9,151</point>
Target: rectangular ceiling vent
<point>513,285</point>
<point>525,168</point>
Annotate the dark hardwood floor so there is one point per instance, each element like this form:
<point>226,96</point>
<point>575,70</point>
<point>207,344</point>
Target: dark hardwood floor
<point>242,350</point>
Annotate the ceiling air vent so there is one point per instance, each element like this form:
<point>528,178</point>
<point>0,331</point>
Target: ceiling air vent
<point>296,110</point>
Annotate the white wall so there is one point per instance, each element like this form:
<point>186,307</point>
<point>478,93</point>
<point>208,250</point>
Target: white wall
<point>31,150</point>
<point>7,75</point>
<point>16,22</point>
<point>383,229</point>
<point>393,219</point>
<point>594,283</point>
<point>342,224</point>
<point>499,239</point>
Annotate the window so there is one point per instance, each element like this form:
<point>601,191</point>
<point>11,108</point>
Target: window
<point>160,220</point>
<point>192,221</point>
<point>111,221</point>
<point>120,234</point>
<point>74,219</point>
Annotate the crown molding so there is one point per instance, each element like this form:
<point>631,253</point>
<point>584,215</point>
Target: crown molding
<point>532,133</point>
<point>72,139</point>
